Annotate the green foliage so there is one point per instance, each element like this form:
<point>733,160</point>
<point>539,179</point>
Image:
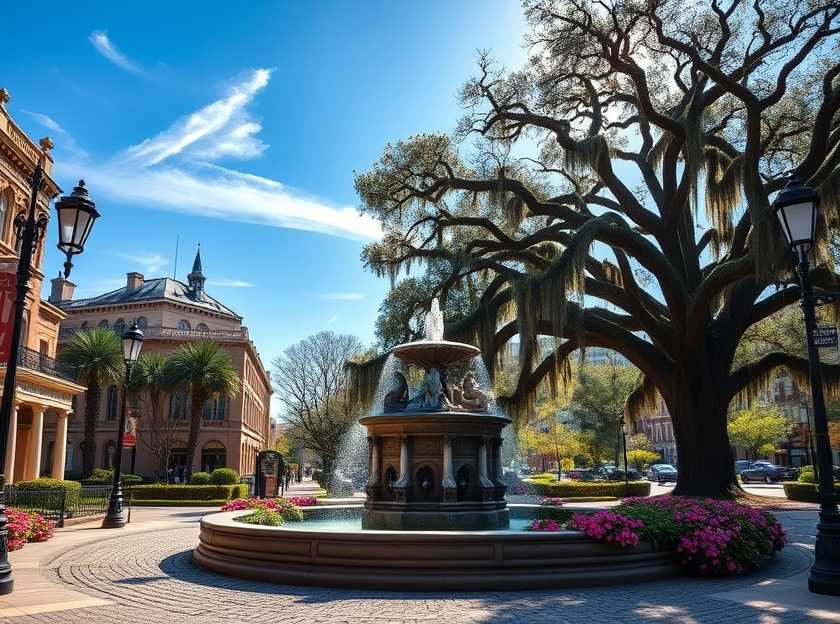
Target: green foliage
<point>639,441</point>
<point>96,354</point>
<point>659,523</point>
<point>264,517</point>
<point>162,502</point>
<point>572,489</point>
<point>161,491</point>
<point>320,478</point>
<point>641,458</point>
<point>755,429</point>
<point>72,489</point>
<point>200,478</point>
<point>224,476</point>
<point>807,475</point>
<point>803,492</point>
<point>105,476</point>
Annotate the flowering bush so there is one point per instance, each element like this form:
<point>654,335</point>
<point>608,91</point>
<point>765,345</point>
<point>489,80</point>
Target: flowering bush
<point>548,524</point>
<point>27,526</point>
<point>551,502</point>
<point>264,517</point>
<point>302,501</point>
<point>609,527</point>
<point>711,537</point>
<point>285,507</point>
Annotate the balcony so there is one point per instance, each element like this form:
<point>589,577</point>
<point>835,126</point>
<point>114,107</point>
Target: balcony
<point>173,333</point>
<point>33,360</point>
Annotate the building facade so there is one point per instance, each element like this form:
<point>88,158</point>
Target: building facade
<point>657,426</point>
<point>171,313</point>
<point>37,439</point>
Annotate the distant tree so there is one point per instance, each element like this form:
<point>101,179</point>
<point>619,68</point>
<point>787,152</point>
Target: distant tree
<point>96,355</point>
<point>548,436</point>
<point>311,383</point>
<point>641,458</point>
<point>758,429</point>
<point>151,378</point>
<point>205,369</point>
<point>639,441</point>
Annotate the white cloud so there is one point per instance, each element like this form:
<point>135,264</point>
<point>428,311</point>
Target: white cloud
<point>340,296</point>
<point>146,261</point>
<point>224,282</point>
<point>147,175</point>
<point>104,45</point>
<point>64,139</point>
<point>333,319</point>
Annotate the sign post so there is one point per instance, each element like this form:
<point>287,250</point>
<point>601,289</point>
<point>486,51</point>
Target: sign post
<point>825,336</point>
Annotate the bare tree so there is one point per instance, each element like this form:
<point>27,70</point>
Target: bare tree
<point>150,380</point>
<point>639,116</point>
<point>310,381</point>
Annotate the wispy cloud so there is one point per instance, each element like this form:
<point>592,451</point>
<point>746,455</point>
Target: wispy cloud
<point>229,283</point>
<point>64,139</point>
<point>146,261</point>
<point>173,171</point>
<point>333,319</point>
<point>104,45</point>
<point>340,296</point>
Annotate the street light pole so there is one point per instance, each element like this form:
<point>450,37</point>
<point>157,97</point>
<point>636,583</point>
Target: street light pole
<point>623,442</point>
<point>796,207</point>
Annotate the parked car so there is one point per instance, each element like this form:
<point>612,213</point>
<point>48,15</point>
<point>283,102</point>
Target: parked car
<point>613,473</point>
<point>581,474</point>
<point>741,466</point>
<point>662,473</point>
<point>767,472</point>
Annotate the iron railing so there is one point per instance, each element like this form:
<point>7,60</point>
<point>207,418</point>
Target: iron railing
<point>160,331</point>
<point>59,504</point>
<point>33,360</point>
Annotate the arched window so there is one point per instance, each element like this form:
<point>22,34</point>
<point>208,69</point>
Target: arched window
<point>104,323</point>
<point>203,327</point>
<point>215,408</point>
<point>184,325</point>
<point>178,405</point>
<point>113,403</point>
<point>108,453</point>
<point>213,456</point>
<point>5,202</point>
<point>119,327</point>
<point>142,322</point>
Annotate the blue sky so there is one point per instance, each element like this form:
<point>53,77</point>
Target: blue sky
<point>239,125</point>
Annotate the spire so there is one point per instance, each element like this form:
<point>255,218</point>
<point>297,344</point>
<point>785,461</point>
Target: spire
<point>196,277</point>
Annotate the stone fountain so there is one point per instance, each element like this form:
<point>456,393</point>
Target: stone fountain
<point>435,455</point>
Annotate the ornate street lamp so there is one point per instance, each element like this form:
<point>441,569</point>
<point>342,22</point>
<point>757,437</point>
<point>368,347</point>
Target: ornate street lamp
<point>796,207</point>
<point>76,214</point>
<point>622,440</point>
<point>132,342</point>
<point>30,228</point>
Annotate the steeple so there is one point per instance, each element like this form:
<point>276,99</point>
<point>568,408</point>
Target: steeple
<point>196,277</point>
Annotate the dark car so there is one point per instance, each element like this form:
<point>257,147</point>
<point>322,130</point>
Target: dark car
<point>767,472</point>
<point>612,473</point>
<point>662,473</point>
<point>741,466</point>
<point>581,474</point>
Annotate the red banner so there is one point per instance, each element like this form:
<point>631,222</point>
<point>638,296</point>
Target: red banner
<point>8,288</point>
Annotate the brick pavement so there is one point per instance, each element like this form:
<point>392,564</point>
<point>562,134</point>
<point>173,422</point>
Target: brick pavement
<point>150,577</point>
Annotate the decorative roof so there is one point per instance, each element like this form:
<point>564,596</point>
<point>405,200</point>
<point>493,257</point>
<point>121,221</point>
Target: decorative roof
<point>162,288</point>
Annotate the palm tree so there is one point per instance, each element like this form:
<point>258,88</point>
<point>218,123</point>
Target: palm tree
<point>96,355</point>
<point>205,369</point>
<point>152,375</point>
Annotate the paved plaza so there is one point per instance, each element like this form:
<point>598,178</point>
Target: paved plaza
<point>145,574</point>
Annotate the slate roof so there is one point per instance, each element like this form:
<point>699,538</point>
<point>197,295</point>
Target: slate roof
<point>164,288</point>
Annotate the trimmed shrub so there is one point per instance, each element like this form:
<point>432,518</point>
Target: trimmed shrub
<point>105,476</point>
<point>807,475</point>
<point>264,517</point>
<point>72,490</point>
<point>802,492</point>
<point>161,491</point>
<point>577,489</point>
<point>200,478</point>
<point>224,476</point>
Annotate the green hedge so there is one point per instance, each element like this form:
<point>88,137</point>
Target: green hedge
<point>177,503</point>
<point>807,475</point>
<point>200,478</point>
<point>162,491</point>
<point>224,476</point>
<point>803,492</point>
<point>72,489</point>
<point>574,489</point>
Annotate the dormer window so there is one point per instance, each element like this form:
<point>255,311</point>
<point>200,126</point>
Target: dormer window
<point>184,325</point>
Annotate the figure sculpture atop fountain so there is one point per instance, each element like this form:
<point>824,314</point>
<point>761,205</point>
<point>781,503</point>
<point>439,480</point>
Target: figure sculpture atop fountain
<point>433,327</point>
<point>396,399</point>
<point>468,395</point>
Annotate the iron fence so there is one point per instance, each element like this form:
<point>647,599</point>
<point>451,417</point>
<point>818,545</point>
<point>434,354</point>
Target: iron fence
<point>59,504</point>
<point>33,360</point>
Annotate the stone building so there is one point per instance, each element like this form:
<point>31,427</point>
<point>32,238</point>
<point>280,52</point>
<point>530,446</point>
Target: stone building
<point>44,388</point>
<point>659,429</point>
<point>171,313</point>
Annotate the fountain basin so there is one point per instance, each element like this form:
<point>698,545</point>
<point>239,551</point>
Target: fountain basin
<point>435,354</point>
<point>420,560</point>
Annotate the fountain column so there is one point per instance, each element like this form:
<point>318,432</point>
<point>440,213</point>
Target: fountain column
<point>403,483</point>
<point>375,478</point>
<point>487,486</point>
<point>498,472</point>
<point>450,488</point>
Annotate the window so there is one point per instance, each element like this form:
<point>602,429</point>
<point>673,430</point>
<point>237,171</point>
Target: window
<point>184,325</point>
<point>103,323</point>
<point>119,327</point>
<point>213,456</point>
<point>203,327</point>
<point>113,401</point>
<point>214,408</point>
<point>5,202</point>
<point>142,322</point>
<point>108,453</point>
<point>178,405</point>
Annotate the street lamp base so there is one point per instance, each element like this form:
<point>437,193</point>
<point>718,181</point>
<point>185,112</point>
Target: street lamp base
<point>7,583</point>
<point>115,518</point>
<point>825,573</point>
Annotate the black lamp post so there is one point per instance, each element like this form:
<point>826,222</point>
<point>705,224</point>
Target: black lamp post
<point>132,342</point>
<point>796,207</point>
<point>30,227</point>
<point>623,441</point>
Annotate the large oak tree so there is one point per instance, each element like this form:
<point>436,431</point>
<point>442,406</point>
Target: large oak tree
<point>615,191</point>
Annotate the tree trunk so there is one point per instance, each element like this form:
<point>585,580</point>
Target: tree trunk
<point>698,407</point>
<point>196,410</point>
<point>89,442</point>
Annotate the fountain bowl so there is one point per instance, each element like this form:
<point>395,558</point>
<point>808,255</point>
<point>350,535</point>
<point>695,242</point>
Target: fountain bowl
<point>420,560</point>
<point>435,353</point>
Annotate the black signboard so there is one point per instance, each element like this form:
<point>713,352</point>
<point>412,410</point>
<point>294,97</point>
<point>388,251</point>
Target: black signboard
<point>825,336</point>
<point>269,470</point>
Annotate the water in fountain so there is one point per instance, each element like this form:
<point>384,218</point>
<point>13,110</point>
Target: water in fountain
<point>433,327</point>
<point>351,464</point>
<point>386,378</point>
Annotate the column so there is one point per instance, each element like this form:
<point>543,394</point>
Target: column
<point>450,488</point>
<point>59,446</point>
<point>498,472</point>
<point>483,476</point>
<point>10,446</point>
<point>401,486</point>
<point>374,444</point>
<point>36,440</point>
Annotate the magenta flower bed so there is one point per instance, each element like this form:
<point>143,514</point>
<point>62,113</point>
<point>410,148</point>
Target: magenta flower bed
<point>302,501</point>
<point>284,506</point>
<point>27,526</point>
<point>545,525</point>
<point>608,526</point>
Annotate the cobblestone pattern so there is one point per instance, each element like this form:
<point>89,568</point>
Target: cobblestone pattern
<point>150,577</point>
